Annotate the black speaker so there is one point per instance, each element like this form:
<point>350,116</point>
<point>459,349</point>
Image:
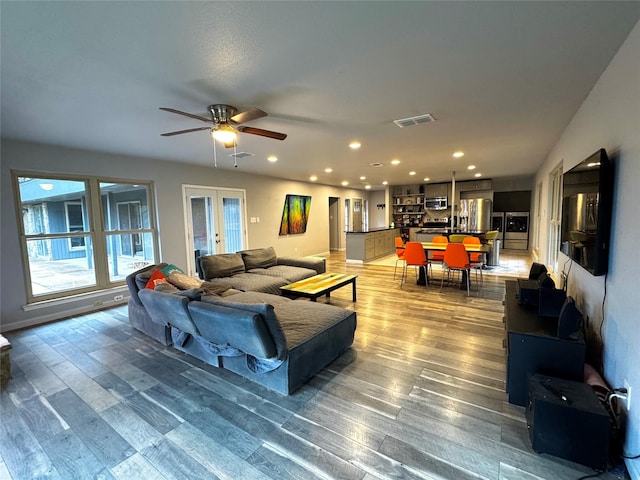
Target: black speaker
<point>566,419</point>
<point>569,320</point>
<point>536,270</point>
<point>551,301</point>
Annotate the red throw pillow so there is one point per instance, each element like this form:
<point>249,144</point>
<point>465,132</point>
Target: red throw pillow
<point>157,275</point>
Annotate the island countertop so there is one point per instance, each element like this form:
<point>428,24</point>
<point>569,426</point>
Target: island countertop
<point>373,230</point>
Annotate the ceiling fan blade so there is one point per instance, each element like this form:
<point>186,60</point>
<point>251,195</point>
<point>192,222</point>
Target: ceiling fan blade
<point>180,132</point>
<point>197,117</point>
<point>262,133</point>
<point>248,115</point>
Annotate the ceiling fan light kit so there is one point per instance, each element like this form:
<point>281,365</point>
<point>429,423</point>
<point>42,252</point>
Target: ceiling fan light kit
<point>224,134</point>
<point>227,123</point>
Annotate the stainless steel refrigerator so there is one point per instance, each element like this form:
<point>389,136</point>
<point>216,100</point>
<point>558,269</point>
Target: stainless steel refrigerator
<point>475,215</point>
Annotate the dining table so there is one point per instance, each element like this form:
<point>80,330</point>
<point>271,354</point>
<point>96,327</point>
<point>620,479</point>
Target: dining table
<point>441,247</point>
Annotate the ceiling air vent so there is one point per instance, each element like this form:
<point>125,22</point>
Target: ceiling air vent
<point>241,155</point>
<point>407,122</point>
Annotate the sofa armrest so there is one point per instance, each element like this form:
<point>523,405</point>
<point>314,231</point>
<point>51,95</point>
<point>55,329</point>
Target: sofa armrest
<point>318,264</point>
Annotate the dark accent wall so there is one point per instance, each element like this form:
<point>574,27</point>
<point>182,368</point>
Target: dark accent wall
<point>519,201</point>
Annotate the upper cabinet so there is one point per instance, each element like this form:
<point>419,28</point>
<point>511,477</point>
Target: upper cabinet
<point>474,185</point>
<point>437,190</point>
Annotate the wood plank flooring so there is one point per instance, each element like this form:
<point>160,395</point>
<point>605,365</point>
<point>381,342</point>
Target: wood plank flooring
<point>419,396</point>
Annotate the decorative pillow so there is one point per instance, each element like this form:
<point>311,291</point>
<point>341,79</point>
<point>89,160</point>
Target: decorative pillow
<point>221,265</point>
<point>184,282</point>
<point>171,268</point>
<point>142,276</point>
<point>156,276</point>
<point>267,313</point>
<point>259,258</point>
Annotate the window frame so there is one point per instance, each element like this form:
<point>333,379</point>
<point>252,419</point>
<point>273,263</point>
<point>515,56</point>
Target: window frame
<point>94,231</point>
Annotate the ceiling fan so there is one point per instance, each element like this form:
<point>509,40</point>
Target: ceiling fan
<point>226,123</point>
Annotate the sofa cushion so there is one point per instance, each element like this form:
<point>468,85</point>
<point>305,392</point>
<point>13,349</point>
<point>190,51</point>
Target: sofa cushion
<point>255,283</point>
<point>183,281</point>
<point>290,274</point>
<point>266,311</point>
<point>168,309</point>
<point>243,329</point>
<point>221,265</point>
<point>259,258</point>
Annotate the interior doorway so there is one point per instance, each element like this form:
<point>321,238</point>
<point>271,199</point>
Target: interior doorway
<point>215,222</point>
<point>334,224</point>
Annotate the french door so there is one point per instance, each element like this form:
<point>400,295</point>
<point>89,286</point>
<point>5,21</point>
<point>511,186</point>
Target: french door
<point>215,222</point>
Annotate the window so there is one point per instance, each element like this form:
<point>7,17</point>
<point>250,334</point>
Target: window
<point>80,235</point>
<point>555,220</point>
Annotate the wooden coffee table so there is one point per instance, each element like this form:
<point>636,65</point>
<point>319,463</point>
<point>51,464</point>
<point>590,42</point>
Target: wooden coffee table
<point>318,285</point>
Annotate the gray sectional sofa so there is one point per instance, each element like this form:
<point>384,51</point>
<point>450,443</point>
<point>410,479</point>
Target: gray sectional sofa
<point>269,339</point>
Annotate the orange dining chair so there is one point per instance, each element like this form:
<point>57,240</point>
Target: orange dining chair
<point>475,258</point>
<point>435,256</point>
<point>399,253</point>
<point>414,256</point>
<point>456,258</point>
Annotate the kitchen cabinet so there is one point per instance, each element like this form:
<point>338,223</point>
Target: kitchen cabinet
<point>472,185</point>
<point>437,190</point>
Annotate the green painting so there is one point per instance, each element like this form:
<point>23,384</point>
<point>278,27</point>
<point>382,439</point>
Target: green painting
<point>295,214</point>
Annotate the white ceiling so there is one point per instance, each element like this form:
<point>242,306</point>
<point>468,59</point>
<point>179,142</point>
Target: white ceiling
<point>503,80</point>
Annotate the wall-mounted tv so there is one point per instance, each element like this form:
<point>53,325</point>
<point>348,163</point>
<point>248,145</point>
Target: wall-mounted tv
<point>587,191</point>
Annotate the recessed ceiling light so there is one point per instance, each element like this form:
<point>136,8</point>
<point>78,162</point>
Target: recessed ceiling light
<point>367,187</point>
<point>376,164</point>
<point>426,179</point>
<point>478,175</point>
<point>471,167</point>
<point>355,145</point>
<point>272,158</point>
<point>345,183</point>
<point>458,154</point>
<point>328,170</point>
<point>395,161</point>
<point>385,183</point>
<point>363,178</point>
<point>412,172</point>
<point>313,178</point>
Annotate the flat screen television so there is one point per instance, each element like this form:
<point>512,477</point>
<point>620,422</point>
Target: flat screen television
<point>587,191</point>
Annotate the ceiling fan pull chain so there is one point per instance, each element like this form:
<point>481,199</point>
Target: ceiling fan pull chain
<point>235,155</point>
<point>215,158</point>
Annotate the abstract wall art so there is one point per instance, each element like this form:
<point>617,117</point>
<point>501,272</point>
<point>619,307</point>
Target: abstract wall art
<point>295,214</point>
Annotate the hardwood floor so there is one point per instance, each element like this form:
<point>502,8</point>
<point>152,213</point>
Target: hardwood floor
<point>419,396</point>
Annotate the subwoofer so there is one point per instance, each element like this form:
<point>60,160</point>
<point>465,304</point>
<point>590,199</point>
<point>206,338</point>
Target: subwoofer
<point>566,419</point>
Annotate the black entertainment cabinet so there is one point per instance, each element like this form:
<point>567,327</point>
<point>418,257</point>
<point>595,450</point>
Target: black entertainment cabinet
<point>533,347</point>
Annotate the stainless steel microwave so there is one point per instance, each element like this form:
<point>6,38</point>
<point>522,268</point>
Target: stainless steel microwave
<point>435,203</point>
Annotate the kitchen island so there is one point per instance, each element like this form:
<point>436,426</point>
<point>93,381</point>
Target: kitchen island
<point>368,245</point>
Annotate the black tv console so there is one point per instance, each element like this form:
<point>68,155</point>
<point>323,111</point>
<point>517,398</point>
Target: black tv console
<point>533,347</point>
